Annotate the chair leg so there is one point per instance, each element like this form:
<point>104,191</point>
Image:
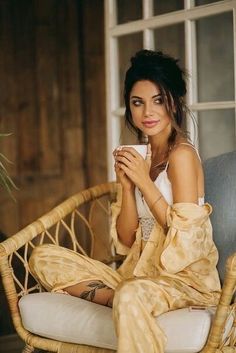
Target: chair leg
<point>28,349</point>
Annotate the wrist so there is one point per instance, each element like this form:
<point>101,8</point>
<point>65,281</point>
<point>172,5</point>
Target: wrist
<point>128,189</point>
<point>150,192</point>
<point>148,188</point>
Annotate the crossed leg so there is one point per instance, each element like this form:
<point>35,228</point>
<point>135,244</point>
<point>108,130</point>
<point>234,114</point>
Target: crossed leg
<point>136,304</point>
<point>82,277</point>
<point>95,291</point>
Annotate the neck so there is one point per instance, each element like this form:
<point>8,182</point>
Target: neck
<point>159,143</point>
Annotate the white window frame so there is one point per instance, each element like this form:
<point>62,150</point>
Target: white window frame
<point>147,25</point>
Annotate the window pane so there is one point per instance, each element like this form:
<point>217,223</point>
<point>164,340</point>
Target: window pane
<point>127,45</point>
<point>128,10</point>
<point>215,58</point>
<point>170,40</point>
<point>204,2</point>
<point>161,7</point>
<point>216,131</point>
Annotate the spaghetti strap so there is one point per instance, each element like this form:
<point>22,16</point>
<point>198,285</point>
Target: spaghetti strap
<point>190,145</point>
<point>167,163</point>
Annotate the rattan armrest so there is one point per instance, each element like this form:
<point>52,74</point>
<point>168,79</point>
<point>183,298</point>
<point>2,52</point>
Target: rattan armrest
<point>27,234</point>
<point>223,308</point>
<point>19,246</point>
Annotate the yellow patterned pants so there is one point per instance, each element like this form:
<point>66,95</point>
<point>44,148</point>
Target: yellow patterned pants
<point>136,302</point>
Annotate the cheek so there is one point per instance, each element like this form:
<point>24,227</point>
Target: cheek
<point>165,116</point>
<point>167,119</point>
<point>136,115</point>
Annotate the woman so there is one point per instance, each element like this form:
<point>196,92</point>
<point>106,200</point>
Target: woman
<point>167,237</point>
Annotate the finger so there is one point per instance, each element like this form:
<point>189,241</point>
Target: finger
<point>116,150</point>
<point>149,152</point>
<point>149,156</point>
<point>124,157</point>
<point>116,167</point>
<point>124,169</point>
<point>132,151</point>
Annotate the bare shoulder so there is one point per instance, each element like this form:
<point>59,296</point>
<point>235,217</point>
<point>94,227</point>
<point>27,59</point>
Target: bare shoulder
<point>183,173</point>
<point>183,154</point>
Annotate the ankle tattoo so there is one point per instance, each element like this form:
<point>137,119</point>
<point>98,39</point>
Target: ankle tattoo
<point>90,294</point>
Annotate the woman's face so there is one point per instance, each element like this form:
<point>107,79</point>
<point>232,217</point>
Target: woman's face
<point>148,110</point>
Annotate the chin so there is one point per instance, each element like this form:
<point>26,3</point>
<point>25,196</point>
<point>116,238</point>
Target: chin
<point>151,133</point>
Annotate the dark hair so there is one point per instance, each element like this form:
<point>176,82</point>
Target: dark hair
<point>164,71</point>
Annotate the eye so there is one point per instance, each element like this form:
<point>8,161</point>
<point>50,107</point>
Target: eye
<point>158,100</point>
<point>136,102</point>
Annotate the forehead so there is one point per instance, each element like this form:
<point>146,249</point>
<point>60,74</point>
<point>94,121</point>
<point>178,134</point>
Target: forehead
<point>145,88</point>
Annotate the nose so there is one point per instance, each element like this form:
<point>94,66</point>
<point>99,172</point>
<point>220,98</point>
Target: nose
<point>148,111</point>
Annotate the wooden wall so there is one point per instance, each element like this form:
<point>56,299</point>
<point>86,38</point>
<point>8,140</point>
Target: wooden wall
<point>52,101</point>
<point>52,84</point>
<point>94,91</point>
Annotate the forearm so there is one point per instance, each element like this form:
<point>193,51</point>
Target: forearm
<point>156,202</point>
<point>127,222</point>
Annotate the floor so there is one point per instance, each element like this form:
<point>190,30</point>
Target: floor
<point>13,344</point>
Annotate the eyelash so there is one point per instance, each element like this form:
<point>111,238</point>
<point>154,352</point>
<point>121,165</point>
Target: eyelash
<point>137,102</point>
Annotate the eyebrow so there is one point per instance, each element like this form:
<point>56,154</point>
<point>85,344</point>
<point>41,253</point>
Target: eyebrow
<point>155,96</point>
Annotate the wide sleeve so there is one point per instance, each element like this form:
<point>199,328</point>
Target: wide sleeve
<point>115,211</point>
<point>189,237</point>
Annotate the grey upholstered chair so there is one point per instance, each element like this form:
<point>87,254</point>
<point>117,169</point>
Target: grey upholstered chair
<point>220,191</point>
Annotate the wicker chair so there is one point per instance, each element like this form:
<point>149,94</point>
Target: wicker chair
<point>82,214</point>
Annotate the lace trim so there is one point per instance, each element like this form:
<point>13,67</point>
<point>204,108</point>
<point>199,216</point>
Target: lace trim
<point>147,225</point>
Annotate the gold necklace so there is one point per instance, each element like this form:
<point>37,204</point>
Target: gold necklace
<point>159,163</point>
<point>166,154</point>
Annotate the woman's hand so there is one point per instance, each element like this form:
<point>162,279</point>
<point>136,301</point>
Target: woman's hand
<point>131,167</point>
<point>126,183</point>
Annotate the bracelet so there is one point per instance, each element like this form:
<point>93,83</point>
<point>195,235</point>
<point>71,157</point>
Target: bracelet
<point>153,204</point>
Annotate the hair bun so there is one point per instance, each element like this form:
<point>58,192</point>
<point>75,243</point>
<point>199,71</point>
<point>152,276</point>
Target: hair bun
<point>145,55</point>
<point>164,67</point>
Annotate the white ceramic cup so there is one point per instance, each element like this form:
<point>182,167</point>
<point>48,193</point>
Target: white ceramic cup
<point>141,149</point>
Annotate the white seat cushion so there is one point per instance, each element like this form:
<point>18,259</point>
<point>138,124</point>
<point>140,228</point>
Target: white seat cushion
<point>70,319</point>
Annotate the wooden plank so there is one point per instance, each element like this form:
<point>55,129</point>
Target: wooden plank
<point>28,146</point>
<point>74,161</point>
<point>70,96</point>
<point>9,220</point>
<point>48,88</point>
<point>69,63</point>
<point>8,97</point>
<point>39,197</point>
<point>92,13</point>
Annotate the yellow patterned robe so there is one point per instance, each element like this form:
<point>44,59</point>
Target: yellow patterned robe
<point>169,271</point>
<point>186,253</point>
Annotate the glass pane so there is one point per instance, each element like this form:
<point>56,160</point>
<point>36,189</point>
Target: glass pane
<point>170,40</point>
<point>127,46</point>
<point>216,132</point>
<point>128,10</point>
<point>204,2</point>
<point>164,6</point>
<point>215,58</point>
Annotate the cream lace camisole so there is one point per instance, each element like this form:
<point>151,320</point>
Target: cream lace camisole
<point>163,183</point>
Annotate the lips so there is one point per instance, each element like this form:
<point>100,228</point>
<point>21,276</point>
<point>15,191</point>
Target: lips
<point>150,123</point>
